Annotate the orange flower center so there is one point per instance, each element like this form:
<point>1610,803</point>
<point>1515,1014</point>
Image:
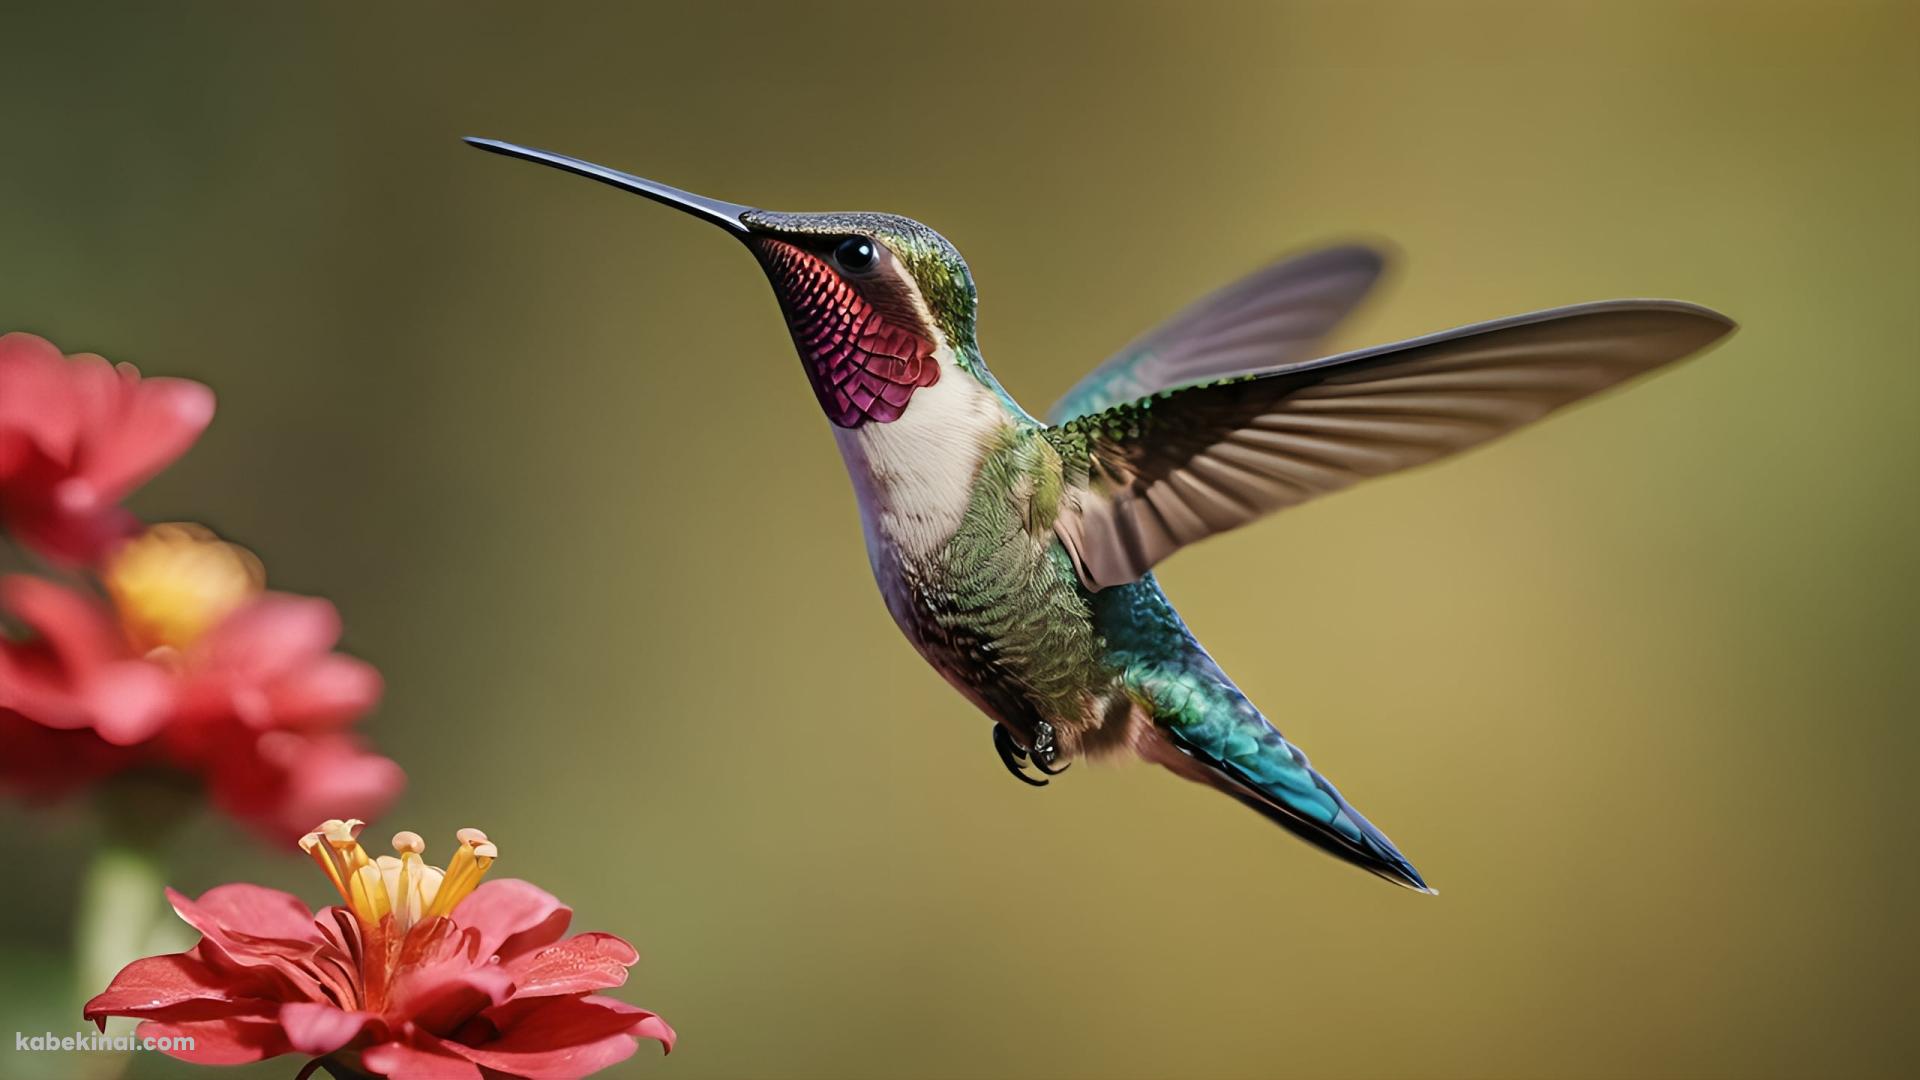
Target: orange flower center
<point>400,887</point>
<point>174,582</point>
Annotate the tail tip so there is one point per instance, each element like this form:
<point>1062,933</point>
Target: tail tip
<point>1414,882</point>
<point>1401,872</point>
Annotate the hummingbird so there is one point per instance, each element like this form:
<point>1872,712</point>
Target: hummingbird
<point>1016,553</point>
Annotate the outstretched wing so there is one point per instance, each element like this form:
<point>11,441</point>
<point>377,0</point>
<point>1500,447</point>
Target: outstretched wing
<point>1269,318</point>
<point>1151,476</point>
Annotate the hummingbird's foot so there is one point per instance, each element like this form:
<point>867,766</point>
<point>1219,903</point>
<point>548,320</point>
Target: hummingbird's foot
<point>1041,755</point>
<point>1044,750</point>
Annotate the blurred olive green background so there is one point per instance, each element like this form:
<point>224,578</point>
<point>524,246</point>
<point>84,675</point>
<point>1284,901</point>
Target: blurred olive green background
<point>1635,689</point>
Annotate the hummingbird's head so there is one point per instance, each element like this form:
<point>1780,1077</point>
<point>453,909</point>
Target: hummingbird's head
<point>879,306</point>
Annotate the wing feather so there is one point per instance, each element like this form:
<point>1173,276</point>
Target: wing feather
<point>1274,316</point>
<point>1150,476</point>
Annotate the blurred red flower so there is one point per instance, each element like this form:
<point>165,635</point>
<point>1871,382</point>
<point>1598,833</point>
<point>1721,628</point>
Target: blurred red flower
<point>77,434</point>
<point>40,762</point>
<point>420,976</point>
<point>193,664</point>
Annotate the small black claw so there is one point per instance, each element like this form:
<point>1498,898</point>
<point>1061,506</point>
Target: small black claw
<point>1012,756</point>
<point>1016,758</point>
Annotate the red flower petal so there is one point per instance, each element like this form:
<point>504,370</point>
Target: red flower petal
<point>579,964</point>
<point>442,998</point>
<point>318,1029</point>
<point>337,777</point>
<point>129,702</point>
<point>278,962</point>
<point>177,986</point>
<point>78,630</point>
<point>41,762</point>
<point>67,537</point>
<point>282,782</point>
<point>398,1061</point>
<point>76,434</point>
<point>79,672</point>
<point>512,917</point>
<point>560,1038</point>
<point>269,637</point>
<point>37,404</point>
<point>259,911</point>
<point>333,689</point>
<point>652,1027</point>
<point>159,419</point>
<point>18,343</point>
<point>568,1063</point>
<point>233,1041</point>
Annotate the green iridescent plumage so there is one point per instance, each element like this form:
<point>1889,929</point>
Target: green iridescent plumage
<point>1003,614</point>
<point>1003,582</point>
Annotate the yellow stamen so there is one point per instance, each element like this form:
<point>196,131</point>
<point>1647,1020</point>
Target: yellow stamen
<point>401,887</point>
<point>344,838</point>
<point>453,887</point>
<point>464,872</point>
<point>407,907</point>
<point>314,844</point>
<point>409,845</point>
<point>174,582</point>
<point>331,846</point>
<point>369,895</point>
<point>336,847</point>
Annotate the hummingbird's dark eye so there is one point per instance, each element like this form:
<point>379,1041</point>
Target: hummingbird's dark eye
<point>855,253</point>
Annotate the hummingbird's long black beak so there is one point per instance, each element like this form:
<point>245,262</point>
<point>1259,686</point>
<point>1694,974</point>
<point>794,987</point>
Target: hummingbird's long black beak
<point>724,214</point>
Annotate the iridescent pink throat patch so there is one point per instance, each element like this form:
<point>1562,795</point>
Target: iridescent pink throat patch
<point>862,364</point>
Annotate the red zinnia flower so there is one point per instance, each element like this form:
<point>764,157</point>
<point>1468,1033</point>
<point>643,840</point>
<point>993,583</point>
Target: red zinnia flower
<point>76,435</point>
<point>195,665</point>
<point>421,975</point>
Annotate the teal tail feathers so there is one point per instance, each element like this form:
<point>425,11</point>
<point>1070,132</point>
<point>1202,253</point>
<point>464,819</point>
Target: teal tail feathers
<point>1274,780</point>
<point>1206,730</point>
<point>1209,732</point>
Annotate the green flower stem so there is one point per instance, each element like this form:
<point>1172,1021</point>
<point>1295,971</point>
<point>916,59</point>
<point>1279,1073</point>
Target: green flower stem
<point>120,906</point>
<point>122,901</point>
<point>121,913</point>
